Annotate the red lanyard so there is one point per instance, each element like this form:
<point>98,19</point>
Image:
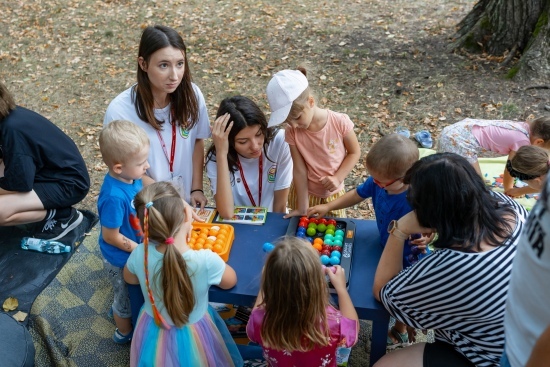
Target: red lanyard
<point>172,150</point>
<point>260,167</point>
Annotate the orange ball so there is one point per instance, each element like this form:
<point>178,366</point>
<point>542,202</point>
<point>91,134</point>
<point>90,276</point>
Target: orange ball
<point>221,236</point>
<point>213,232</point>
<point>207,246</point>
<point>318,240</point>
<point>317,246</point>
<point>217,248</point>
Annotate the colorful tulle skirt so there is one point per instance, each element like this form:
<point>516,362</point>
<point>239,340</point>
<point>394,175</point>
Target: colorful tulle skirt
<point>204,343</point>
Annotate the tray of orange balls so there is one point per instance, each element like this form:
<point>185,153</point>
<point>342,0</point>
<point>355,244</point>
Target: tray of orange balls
<point>212,236</point>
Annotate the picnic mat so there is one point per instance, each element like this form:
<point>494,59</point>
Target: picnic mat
<point>492,169</point>
<point>23,275</point>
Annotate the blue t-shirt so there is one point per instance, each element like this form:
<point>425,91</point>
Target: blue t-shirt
<point>115,207</point>
<point>386,208</point>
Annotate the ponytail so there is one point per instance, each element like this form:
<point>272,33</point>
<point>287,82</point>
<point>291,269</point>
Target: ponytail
<point>161,213</point>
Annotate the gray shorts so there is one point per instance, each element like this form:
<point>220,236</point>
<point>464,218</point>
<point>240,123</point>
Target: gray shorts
<point>121,302</point>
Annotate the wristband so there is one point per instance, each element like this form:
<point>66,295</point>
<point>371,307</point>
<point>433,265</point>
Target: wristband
<point>192,191</point>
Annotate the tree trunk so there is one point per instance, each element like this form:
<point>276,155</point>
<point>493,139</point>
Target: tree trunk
<point>498,26</point>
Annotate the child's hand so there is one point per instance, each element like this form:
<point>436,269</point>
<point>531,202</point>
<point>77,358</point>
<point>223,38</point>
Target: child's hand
<point>318,210</point>
<point>338,278</point>
<point>220,133</point>
<point>295,213</point>
<point>198,199</point>
<point>330,183</point>
<point>423,241</point>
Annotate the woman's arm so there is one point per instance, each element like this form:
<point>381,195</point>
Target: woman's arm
<point>540,355</point>
<point>225,203</point>
<point>197,197</point>
<point>353,153</point>
<point>280,199</point>
<point>391,261</point>
<point>300,183</point>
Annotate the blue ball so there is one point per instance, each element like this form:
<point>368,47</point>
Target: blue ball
<point>325,260</point>
<point>339,232</point>
<point>339,237</point>
<point>328,241</point>
<point>328,237</point>
<point>334,260</point>
<point>335,253</point>
<point>301,231</point>
<point>268,247</point>
<point>336,242</point>
<point>309,239</point>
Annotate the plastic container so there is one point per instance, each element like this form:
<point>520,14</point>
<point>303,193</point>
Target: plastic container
<point>224,235</point>
<point>48,246</point>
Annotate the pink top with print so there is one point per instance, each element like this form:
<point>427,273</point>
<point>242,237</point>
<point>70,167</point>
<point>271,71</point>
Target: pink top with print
<point>323,151</point>
<point>343,332</point>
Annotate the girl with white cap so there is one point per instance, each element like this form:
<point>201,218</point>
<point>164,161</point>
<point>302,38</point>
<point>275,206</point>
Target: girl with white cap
<point>322,142</point>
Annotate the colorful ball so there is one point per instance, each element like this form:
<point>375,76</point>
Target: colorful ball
<point>339,232</point>
<point>331,226</point>
<point>268,247</point>
<point>311,231</point>
<point>334,260</point>
<point>312,225</point>
<point>328,241</point>
<point>321,227</point>
<point>325,260</point>
<point>338,254</point>
<point>336,242</point>
<point>328,236</point>
<point>331,221</point>
<point>339,237</point>
<point>337,248</point>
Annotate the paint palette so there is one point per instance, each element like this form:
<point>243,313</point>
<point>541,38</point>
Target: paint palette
<point>333,239</point>
<point>212,236</point>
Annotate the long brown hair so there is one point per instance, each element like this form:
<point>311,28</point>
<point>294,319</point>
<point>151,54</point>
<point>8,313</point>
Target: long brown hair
<point>184,103</point>
<point>295,297</point>
<point>165,216</point>
<point>531,160</point>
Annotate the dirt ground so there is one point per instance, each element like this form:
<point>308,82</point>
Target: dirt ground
<point>384,62</point>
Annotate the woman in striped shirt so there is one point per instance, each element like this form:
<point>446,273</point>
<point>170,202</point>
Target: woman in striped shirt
<point>460,290</point>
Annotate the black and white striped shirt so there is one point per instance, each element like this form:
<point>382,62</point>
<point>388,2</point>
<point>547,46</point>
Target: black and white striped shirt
<point>462,296</point>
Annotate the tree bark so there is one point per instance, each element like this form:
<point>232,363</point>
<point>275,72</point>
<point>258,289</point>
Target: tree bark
<point>500,26</point>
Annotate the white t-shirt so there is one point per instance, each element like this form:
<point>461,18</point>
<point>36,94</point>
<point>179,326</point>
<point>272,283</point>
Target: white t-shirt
<point>276,174</point>
<point>123,108</point>
<point>528,304</point>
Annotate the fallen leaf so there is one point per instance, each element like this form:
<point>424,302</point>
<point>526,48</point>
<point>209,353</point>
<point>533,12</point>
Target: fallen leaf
<point>10,304</point>
<point>20,316</point>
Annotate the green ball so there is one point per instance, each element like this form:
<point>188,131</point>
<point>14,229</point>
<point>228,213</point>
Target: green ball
<point>311,231</point>
<point>321,227</point>
<point>329,231</point>
<point>312,225</point>
<point>331,227</point>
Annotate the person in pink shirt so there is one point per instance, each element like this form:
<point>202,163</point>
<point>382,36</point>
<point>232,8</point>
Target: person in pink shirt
<point>323,145</point>
<point>473,138</point>
<point>292,319</point>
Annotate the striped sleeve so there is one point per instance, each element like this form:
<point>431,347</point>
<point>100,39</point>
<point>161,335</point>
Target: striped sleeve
<point>462,296</point>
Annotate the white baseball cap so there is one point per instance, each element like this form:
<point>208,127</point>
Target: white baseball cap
<point>282,90</point>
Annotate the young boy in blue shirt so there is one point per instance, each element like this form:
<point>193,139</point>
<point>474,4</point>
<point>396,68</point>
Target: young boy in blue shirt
<point>124,147</point>
<point>387,162</point>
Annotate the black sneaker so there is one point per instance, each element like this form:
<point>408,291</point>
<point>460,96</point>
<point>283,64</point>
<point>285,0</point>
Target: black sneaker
<point>54,229</point>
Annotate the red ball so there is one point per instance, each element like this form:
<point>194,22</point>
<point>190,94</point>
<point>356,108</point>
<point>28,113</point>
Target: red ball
<point>322,220</point>
<point>325,252</point>
<point>337,248</point>
<point>303,224</point>
<point>312,220</point>
<point>304,218</point>
<point>331,221</point>
<point>326,248</point>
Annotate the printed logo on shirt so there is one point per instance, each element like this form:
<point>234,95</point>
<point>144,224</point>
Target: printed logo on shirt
<point>238,180</point>
<point>332,145</point>
<point>134,223</point>
<point>184,132</point>
<point>272,173</point>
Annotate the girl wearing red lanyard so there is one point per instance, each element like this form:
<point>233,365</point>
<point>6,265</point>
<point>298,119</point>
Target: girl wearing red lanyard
<point>247,164</point>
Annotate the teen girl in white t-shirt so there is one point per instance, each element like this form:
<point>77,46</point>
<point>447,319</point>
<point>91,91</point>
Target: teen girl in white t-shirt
<point>171,109</point>
<point>248,164</point>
